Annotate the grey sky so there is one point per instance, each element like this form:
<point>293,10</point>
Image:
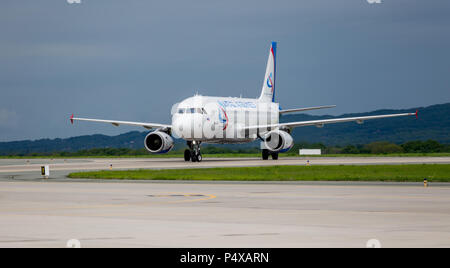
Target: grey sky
<point>131,60</point>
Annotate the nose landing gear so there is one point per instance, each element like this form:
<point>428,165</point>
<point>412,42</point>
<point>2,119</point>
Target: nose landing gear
<point>266,153</point>
<point>193,153</point>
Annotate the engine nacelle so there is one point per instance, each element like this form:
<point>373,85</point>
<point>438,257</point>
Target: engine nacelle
<point>278,141</point>
<point>158,142</point>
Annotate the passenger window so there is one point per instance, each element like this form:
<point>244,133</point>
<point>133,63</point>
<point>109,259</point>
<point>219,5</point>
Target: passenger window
<point>192,110</point>
<point>181,111</point>
<point>199,110</point>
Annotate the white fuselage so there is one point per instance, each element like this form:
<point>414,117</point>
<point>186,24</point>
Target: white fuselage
<point>221,120</point>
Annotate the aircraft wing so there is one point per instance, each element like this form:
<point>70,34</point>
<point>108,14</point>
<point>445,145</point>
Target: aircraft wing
<point>305,109</point>
<point>118,123</point>
<point>321,123</point>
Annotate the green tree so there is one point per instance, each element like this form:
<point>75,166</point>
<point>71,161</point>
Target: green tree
<point>383,147</point>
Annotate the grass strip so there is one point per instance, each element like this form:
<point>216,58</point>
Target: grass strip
<point>400,173</point>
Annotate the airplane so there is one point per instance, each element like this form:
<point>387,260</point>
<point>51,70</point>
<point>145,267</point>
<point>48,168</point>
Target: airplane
<point>226,120</point>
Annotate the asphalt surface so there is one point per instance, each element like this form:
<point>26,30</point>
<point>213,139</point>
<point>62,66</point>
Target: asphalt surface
<point>47,213</point>
<point>18,166</point>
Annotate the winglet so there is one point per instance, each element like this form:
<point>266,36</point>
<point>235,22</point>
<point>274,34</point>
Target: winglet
<point>417,114</point>
<point>71,119</point>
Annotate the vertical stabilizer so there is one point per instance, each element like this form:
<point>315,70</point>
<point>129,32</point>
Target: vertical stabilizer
<point>268,88</point>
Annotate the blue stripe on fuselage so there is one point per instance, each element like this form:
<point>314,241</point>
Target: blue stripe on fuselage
<point>274,48</point>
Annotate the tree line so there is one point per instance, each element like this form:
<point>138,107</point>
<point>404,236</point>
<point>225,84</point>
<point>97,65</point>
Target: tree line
<point>379,147</point>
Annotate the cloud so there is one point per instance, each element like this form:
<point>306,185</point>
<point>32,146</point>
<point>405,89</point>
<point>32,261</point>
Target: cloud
<point>8,118</point>
<point>99,58</point>
<point>64,50</point>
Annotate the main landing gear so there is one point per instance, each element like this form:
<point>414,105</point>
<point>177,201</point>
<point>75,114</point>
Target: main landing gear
<point>266,153</point>
<point>193,153</point>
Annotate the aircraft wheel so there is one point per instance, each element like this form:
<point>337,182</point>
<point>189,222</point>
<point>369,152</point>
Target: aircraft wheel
<point>187,155</point>
<point>194,158</point>
<point>199,158</point>
<point>274,156</point>
<point>265,154</point>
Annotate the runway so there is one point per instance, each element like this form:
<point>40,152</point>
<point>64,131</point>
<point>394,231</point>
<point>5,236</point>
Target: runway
<point>47,213</point>
<point>117,214</point>
<point>12,166</point>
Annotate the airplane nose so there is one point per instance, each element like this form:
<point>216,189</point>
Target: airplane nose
<point>187,126</point>
<point>179,126</point>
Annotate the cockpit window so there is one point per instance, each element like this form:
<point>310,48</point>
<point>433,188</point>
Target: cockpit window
<point>191,111</point>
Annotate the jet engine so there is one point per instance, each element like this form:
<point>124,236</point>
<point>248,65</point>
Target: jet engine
<point>158,142</point>
<point>278,141</point>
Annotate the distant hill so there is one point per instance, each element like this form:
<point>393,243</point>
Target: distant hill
<point>433,123</point>
<point>133,140</point>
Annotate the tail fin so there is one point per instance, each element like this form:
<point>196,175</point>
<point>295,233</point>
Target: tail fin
<point>268,88</point>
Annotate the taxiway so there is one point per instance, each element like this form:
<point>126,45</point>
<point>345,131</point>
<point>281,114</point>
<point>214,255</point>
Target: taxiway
<point>47,213</point>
